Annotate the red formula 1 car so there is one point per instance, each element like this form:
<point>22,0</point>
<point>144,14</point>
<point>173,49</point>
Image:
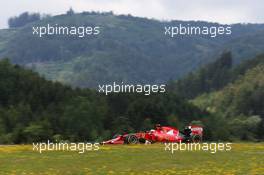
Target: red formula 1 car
<point>191,133</point>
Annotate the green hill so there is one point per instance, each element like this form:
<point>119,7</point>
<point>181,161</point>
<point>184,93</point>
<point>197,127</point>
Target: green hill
<point>129,49</point>
<point>244,96</point>
<point>239,103</point>
<point>213,76</point>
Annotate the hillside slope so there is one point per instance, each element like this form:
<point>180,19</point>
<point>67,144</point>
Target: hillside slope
<point>244,96</point>
<point>129,49</point>
<point>213,76</point>
<point>240,104</point>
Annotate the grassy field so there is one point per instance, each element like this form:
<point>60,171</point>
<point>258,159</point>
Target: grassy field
<point>244,159</point>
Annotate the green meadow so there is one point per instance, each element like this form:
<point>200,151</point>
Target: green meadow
<point>244,158</point>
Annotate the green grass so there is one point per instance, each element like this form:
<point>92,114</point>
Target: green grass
<point>244,158</point>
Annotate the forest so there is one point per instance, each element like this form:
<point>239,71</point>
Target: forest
<point>227,100</point>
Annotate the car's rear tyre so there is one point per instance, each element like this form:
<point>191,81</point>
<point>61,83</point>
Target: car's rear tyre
<point>196,139</point>
<point>131,139</point>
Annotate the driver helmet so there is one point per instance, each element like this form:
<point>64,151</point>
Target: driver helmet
<point>158,126</point>
<point>188,127</point>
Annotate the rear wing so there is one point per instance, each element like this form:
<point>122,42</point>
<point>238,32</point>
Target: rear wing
<point>197,130</point>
